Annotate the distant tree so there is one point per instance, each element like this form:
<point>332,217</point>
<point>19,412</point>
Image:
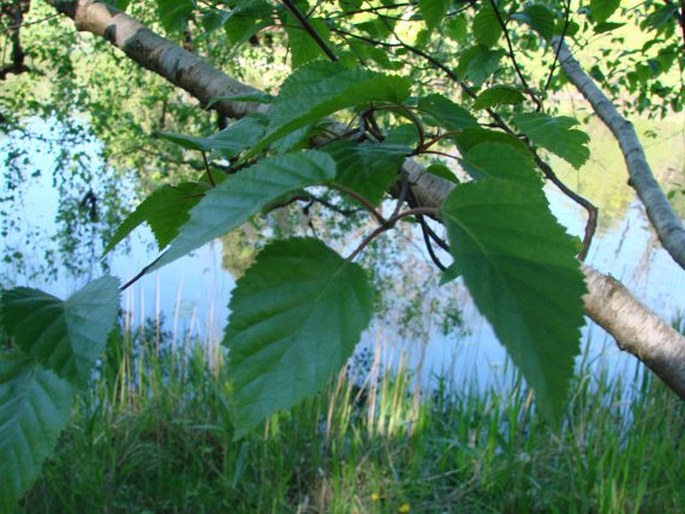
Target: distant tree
<point>434,113</point>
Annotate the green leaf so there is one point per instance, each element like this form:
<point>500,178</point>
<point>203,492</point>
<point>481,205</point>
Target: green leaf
<point>245,194</point>
<point>556,135</point>
<point>442,171</point>
<point>174,14</point>
<point>246,19</point>
<point>433,11</point>
<point>486,26</point>
<point>165,211</point>
<point>65,337</point>
<point>296,316</point>
<point>228,142</point>
<point>34,409</point>
<point>602,28</point>
<point>321,88</point>
<point>540,18</point>
<point>368,169</point>
<point>477,63</point>
<point>452,272</point>
<point>468,138</point>
<point>498,95</point>
<point>520,268</point>
<point>446,113</point>
<point>601,10</point>
<point>456,28</point>
<point>498,160</point>
<point>303,47</point>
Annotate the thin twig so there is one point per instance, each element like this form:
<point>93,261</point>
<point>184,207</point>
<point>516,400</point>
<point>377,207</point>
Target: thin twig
<point>310,30</point>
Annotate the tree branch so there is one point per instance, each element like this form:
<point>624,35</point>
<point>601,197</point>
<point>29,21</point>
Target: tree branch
<point>662,349</point>
<point>668,226</point>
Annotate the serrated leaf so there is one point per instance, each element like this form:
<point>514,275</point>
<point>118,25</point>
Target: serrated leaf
<point>65,337</point>
<point>245,194</point>
<point>540,18</point>
<point>556,135</point>
<point>445,113</point>
<point>601,10</point>
<point>321,88</point>
<point>227,142</point>
<point>367,169</point>
<point>486,26</point>
<point>174,14</point>
<point>34,409</point>
<point>498,95</point>
<point>165,211</point>
<point>477,63</point>
<point>498,160</point>
<point>433,11</point>
<point>303,47</point>
<point>520,268</point>
<point>296,316</point>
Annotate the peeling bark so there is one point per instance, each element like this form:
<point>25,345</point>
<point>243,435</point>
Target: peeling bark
<point>668,226</point>
<point>636,329</point>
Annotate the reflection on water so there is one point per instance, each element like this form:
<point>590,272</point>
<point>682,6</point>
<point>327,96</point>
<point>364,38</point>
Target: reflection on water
<point>193,292</point>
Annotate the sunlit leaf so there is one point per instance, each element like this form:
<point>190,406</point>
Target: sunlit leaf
<point>321,88</point>
<point>520,268</point>
<point>245,194</point>
<point>486,26</point>
<point>433,11</point>
<point>539,17</point>
<point>174,14</point>
<point>64,336</point>
<point>556,135</point>
<point>498,160</point>
<point>165,211</point>
<point>34,409</point>
<point>445,113</point>
<point>303,47</point>
<point>478,63</point>
<point>296,316</point>
<point>601,10</point>
<point>498,95</point>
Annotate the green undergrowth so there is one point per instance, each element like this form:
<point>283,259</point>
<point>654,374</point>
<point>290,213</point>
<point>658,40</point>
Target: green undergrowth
<point>156,435</point>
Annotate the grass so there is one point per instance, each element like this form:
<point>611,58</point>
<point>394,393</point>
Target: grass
<point>155,435</point>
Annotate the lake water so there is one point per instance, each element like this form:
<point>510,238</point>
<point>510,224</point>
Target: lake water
<point>192,293</point>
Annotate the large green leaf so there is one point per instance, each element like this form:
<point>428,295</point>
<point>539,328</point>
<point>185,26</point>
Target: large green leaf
<point>64,336</point>
<point>296,316</point>
<point>367,169</point>
<point>174,14</point>
<point>498,160</point>
<point>34,408</point>
<point>498,95</point>
<point>245,194</point>
<point>486,26</point>
<point>322,88</point>
<point>246,19</point>
<point>444,112</point>
<point>303,47</point>
<point>520,268</point>
<point>433,11</point>
<point>477,63</point>
<point>601,10</point>
<point>556,135</point>
<point>165,211</point>
<point>539,17</point>
<point>227,142</point>
<point>468,138</point>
